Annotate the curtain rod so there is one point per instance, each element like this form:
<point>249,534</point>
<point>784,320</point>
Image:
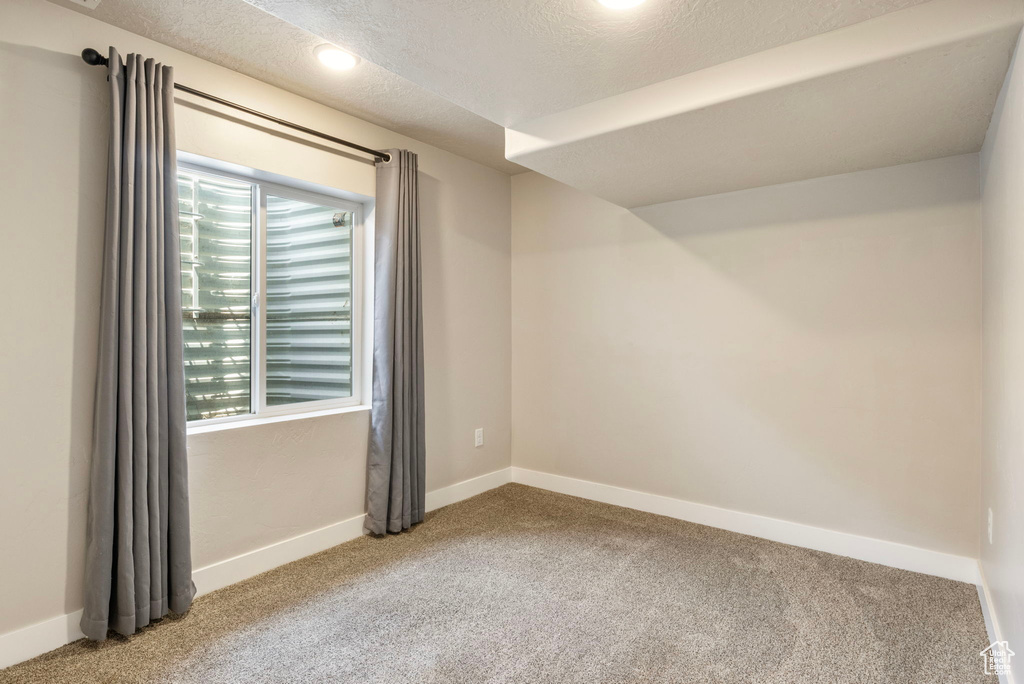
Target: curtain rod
<point>94,58</point>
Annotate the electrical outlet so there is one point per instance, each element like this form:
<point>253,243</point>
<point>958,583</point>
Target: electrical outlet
<point>478,437</point>
<point>990,526</point>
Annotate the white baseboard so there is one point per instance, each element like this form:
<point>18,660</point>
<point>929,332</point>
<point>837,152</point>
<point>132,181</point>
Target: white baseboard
<point>252,563</point>
<point>991,619</point>
<point>467,488</point>
<point>221,574</point>
<point>45,636</point>
<point>960,568</point>
<point>41,637</point>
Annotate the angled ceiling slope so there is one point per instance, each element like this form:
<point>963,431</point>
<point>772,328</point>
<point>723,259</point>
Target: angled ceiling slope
<point>908,86</point>
<point>682,98</point>
<point>913,85</point>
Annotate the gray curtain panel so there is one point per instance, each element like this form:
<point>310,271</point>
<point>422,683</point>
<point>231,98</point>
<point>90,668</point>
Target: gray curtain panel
<point>396,486</point>
<point>138,556</point>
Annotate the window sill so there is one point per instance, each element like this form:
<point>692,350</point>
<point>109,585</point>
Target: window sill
<point>252,421</point>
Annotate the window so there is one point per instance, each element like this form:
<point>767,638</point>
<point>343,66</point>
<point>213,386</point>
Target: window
<point>271,294</point>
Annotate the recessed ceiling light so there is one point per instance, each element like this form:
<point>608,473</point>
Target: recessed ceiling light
<point>621,4</point>
<point>335,58</point>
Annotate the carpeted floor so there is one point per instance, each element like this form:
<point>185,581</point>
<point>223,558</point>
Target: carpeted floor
<point>523,585</point>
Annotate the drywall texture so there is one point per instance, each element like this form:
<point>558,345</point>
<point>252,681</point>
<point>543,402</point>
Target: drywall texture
<point>250,486</point>
<point>904,87</point>
<point>550,56</point>
<point>808,352</point>
<point>1002,472</point>
<point>239,36</point>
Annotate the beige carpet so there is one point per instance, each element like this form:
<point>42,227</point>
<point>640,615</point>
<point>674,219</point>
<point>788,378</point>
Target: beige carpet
<point>522,585</point>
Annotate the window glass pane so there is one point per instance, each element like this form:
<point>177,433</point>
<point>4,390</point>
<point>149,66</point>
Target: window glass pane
<point>215,215</point>
<point>308,302</point>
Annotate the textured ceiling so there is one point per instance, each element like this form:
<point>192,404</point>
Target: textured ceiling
<point>243,38</point>
<point>916,84</point>
<point>796,132</point>
<point>669,100</point>
<point>513,60</point>
<point>909,86</point>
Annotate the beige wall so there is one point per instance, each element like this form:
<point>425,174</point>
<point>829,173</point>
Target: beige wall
<point>1002,481</point>
<point>250,486</point>
<point>809,351</point>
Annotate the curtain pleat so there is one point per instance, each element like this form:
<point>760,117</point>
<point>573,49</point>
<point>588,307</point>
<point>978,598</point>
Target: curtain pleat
<point>397,452</point>
<point>138,556</point>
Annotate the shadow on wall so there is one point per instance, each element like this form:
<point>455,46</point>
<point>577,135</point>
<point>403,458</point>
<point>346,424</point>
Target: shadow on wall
<point>813,346</point>
<point>437,328</point>
<point>878,191</point>
<point>71,105</point>
<point>92,182</point>
<point>270,130</point>
<point>870,252</point>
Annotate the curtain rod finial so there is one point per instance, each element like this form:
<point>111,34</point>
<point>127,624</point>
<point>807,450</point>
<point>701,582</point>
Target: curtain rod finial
<point>93,57</point>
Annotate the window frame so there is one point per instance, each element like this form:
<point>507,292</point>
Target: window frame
<point>323,196</point>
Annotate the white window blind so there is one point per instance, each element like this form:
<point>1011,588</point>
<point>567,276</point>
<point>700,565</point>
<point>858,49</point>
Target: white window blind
<point>309,302</point>
<point>216,218</point>
<point>270,287</point>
